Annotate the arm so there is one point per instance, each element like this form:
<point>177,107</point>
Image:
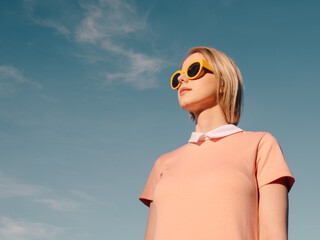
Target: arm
<point>273,210</point>
<point>151,223</point>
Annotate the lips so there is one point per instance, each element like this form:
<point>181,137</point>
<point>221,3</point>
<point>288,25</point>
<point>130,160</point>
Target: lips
<point>183,90</point>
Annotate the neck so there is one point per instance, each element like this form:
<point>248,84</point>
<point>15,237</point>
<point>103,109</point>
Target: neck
<point>210,119</point>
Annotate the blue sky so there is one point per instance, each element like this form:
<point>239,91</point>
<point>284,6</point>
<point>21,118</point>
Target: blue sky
<point>86,107</point>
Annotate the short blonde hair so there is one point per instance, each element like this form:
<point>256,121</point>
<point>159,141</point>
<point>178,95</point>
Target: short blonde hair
<point>229,78</point>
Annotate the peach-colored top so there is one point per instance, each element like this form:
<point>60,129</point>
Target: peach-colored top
<point>208,189</point>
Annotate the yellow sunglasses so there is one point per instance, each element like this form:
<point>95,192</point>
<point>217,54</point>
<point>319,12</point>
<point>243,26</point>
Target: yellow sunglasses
<point>192,71</point>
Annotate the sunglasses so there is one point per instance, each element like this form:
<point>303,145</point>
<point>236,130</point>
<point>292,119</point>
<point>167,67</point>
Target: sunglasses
<point>192,71</point>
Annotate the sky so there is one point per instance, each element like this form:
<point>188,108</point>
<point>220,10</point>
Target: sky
<point>86,107</point>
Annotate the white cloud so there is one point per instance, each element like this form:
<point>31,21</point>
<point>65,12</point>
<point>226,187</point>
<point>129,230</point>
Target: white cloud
<point>61,29</point>
<point>11,72</point>
<point>106,19</point>
<point>110,25</point>
<point>141,71</point>
<point>60,204</point>
<point>11,188</point>
<point>24,230</point>
<point>82,195</point>
<point>10,78</point>
<point>46,22</point>
<point>109,20</point>
<point>94,200</point>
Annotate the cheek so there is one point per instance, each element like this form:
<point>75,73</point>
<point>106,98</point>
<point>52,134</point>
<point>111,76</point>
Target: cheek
<point>207,89</point>
<point>203,90</point>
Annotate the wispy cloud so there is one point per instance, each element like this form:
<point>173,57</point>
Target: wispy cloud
<point>74,199</point>
<point>60,204</point>
<point>112,26</point>
<point>24,230</point>
<point>11,188</point>
<point>109,20</point>
<point>53,24</point>
<point>46,22</point>
<point>11,78</point>
<point>94,200</point>
<point>141,71</point>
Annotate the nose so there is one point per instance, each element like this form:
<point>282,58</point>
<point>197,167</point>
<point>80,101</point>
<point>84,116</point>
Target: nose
<point>183,78</point>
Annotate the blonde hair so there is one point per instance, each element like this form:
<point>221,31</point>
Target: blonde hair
<point>229,78</point>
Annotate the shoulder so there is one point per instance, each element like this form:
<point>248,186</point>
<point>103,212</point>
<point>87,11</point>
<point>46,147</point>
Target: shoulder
<point>264,143</point>
<point>254,133</point>
<point>171,155</point>
<point>258,140</point>
<point>250,136</point>
<point>258,136</point>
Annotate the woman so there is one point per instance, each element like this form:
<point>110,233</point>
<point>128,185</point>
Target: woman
<point>225,183</point>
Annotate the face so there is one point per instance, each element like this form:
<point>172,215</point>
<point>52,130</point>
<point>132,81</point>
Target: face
<point>198,94</point>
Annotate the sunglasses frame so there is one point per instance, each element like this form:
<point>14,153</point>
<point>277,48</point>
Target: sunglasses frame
<point>203,64</point>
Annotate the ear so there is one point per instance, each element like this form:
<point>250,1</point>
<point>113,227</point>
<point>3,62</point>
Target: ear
<point>221,90</point>
<point>222,85</point>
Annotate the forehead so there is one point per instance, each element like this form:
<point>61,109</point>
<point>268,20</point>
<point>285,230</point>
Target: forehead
<point>191,58</point>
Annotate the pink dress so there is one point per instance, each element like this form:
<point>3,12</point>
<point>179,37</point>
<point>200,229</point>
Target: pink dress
<point>208,188</point>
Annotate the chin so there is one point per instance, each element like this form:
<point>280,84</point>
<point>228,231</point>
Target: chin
<point>189,104</point>
<point>194,106</point>
<point>187,107</point>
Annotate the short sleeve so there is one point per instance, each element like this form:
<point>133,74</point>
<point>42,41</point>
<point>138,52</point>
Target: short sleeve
<point>147,194</point>
<point>271,164</point>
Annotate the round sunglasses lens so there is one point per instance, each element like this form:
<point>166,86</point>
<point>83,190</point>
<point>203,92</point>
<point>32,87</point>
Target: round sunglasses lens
<point>193,69</point>
<point>175,81</point>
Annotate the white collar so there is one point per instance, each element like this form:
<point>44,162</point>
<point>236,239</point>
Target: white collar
<point>221,131</point>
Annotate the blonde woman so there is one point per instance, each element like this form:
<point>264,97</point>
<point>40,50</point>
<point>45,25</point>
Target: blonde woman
<point>225,183</point>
